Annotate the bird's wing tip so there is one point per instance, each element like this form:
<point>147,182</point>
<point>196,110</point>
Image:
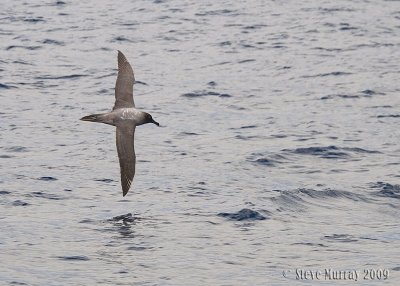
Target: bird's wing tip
<point>120,54</point>
<point>121,58</point>
<point>124,192</point>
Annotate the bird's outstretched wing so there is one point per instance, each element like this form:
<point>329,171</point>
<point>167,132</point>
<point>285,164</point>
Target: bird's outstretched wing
<point>124,84</point>
<point>126,155</point>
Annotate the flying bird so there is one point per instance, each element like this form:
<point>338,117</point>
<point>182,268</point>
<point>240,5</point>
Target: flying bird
<point>125,117</point>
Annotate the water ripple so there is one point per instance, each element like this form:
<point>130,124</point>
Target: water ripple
<point>330,152</point>
<point>343,238</point>
<point>74,258</point>
<point>244,214</point>
<point>72,76</point>
<point>6,86</point>
<point>196,94</point>
<point>387,190</point>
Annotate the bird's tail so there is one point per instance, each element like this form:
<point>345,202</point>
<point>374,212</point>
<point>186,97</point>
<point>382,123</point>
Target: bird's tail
<point>92,118</point>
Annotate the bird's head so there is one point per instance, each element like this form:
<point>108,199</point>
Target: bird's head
<point>149,119</point>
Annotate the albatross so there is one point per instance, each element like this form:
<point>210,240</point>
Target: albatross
<point>125,117</point>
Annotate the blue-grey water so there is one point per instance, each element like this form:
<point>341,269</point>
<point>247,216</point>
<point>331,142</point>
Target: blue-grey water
<point>279,151</point>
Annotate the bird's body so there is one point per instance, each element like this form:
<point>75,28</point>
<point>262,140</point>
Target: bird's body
<point>125,117</point>
<point>120,116</point>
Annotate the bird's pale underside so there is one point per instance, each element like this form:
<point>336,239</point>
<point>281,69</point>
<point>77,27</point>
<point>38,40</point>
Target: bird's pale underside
<point>125,117</point>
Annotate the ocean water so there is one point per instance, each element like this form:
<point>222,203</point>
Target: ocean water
<point>278,162</point>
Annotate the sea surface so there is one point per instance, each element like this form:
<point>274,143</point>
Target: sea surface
<point>278,160</point>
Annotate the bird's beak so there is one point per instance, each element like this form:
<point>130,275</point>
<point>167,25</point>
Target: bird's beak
<point>155,122</point>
